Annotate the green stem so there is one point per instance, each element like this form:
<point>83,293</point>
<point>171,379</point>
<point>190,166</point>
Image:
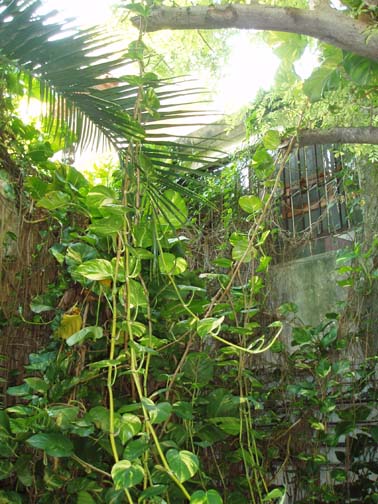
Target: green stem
<point>173,283</point>
<point>152,431</point>
<point>219,296</point>
<point>113,336</point>
<point>164,460</point>
<point>111,371</point>
<point>247,350</point>
<point>148,359</point>
<point>87,465</point>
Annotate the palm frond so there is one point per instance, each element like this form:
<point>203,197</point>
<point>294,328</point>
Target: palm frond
<point>67,69</point>
<point>71,73</point>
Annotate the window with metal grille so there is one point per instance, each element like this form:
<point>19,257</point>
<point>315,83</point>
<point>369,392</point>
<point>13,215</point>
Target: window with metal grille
<point>313,199</point>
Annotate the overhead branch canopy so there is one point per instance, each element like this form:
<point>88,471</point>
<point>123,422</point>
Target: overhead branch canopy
<point>325,24</point>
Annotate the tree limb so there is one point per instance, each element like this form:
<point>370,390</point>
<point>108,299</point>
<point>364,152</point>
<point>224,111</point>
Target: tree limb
<point>328,25</point>
<point>358,135</point>
<point>209,137</point>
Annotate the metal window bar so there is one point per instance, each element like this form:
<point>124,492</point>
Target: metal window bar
<point>317,161</point>
<point>313,199</point>
<point>308,188</point>
<point>327,184</point>
<point>301,224</point>
<point>295,166</point>
<point>344,223</point>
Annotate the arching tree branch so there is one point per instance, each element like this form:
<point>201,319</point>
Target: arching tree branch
<point>214,138</point>
<point>358,135</point>
<point>328,25</point>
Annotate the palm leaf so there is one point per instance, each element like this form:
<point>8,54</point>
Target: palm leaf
<point>70,72</point>
<point>66,71</point>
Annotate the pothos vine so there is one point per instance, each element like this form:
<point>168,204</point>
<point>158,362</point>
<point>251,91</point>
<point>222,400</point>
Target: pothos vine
<point>146,417</point>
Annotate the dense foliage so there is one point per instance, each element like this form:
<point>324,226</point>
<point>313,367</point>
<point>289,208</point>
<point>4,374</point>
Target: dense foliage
<point>152,386</point>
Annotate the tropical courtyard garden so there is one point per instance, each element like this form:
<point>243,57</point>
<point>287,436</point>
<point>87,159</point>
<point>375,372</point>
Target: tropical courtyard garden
<point>143,358</point>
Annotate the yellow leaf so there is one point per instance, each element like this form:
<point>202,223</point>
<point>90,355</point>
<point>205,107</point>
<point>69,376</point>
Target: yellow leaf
<point>70,324</point>
<point>106,282</point>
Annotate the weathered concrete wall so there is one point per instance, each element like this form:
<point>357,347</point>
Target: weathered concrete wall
<point>310,283</point>
<point>368,311</point>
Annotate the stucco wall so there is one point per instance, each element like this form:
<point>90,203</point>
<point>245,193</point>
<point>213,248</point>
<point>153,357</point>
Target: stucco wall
<point>310,283</point>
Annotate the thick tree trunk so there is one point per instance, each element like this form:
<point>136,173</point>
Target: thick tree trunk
<point>326,24</point>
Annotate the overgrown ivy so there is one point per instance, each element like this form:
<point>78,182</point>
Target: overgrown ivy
<point>147,390</point>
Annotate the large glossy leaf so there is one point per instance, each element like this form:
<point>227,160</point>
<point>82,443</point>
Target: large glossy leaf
<point>240,247</point>
<point>323,368</point>
<point>271,139</point>
<point>276,493</point>
<point>133,268</point>
<point>151,492</point>
<point>198,368</point>
<point>171,265</point>
<point>67,175</point>
<point>128,426</point>
<point>9,497</point>
<point>107,225</point>
<point>323,78</point>
<point>37,384</point>
<point>54,200</point>
<point>208,326</point>
<point>143,235</point>
<point>125,474</point>
<point>38,305</point>
<point>84,497</point>
<point>94,332</point>
<point>183,409</point>
<point>96,269</point>
<point>221,403</point>
<point>159,412</point>
<point>54,444</point>
<point>6,469</point>
<point>64,415</point>
<point>134,293</point>
<point>99,415</point>
<point>23,468</point>
<point>70,324</point>
<point>250,203</point>
<point>19,390</point>
<point>100,196</point>
<point>362,71</point>
<point>229,425</point>
<point>184,464</point>
<point>209,497</point>
<point>135,448</point>
<point>78,253</point>
<point>329,338</point>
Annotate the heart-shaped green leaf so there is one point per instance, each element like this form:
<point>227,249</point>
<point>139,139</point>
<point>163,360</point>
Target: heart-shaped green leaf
<point>209,497</point>
<point>184,464</point>
<point>96,269</point>
<point>125,474</point>
<point>54,444</point>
